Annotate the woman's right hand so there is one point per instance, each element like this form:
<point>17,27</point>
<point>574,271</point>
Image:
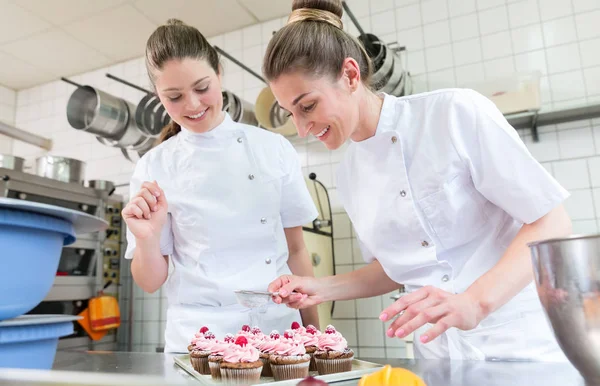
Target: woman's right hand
<point>297,291</point>
<point>146,213</point>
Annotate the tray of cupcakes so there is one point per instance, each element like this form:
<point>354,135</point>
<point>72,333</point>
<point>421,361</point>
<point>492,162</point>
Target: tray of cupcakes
<point>251,357</point>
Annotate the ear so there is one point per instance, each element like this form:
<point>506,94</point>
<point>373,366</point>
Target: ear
<point>351,74</point>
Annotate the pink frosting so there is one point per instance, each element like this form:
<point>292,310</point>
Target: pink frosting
<point>237,354</point>
<point>289,347</point>
<point>309,339</point>
<point>268,345</point>
<point>332,342</point>
<point>206,344</point>
<point>255,340</point>
<point>219,348</point>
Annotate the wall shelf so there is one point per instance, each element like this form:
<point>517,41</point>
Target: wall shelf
<point>532,120</point>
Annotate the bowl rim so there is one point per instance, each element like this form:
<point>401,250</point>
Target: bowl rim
<point>561,239</point>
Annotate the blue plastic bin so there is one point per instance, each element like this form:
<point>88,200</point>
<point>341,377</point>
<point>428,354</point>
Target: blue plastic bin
<point>30,341</point>
<point>30,249</point>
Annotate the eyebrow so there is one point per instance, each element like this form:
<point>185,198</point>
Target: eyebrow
<point>295,102</point>
<point>195,83</point>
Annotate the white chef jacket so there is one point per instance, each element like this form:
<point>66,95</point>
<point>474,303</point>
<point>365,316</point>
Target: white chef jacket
<point>230,193</point>
<point>436,196</point>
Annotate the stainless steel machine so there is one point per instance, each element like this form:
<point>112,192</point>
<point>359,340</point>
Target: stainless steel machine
<point>94,259</point>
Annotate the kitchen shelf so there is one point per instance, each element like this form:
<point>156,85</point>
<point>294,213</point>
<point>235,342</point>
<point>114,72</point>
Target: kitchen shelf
<point>532,120</point>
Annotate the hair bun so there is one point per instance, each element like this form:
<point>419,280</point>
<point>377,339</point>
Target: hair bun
<point>333,6</point>
<point>174,22</point>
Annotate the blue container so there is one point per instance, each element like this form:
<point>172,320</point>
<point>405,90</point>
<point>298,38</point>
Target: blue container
<point>30,249</point>
<point>30,341</point>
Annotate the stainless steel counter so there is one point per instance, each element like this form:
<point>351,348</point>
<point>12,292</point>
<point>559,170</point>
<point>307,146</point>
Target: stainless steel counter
<point>116,368</point>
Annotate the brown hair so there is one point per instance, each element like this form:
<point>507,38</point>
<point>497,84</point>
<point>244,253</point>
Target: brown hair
<point>314,42</point>
<point>177,40</point>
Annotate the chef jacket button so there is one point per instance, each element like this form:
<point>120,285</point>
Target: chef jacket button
<point>445,278</point>
<point>240,140</point>
<point>263,220</point>
<point>403,193</point>
<point>394,139</point>
<point>250,176</point>
<point>424,243</point>
<point>268,260</point>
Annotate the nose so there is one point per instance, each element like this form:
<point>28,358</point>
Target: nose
<point>302,127</point>
<point>193,103</point>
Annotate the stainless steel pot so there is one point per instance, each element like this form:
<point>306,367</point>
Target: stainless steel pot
<point>103,185</point>
<point>12,162</point>
<point>567,276</point>
<point>60,168</point>
<point>240,110</point>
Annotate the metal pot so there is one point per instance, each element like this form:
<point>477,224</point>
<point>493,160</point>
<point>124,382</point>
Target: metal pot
<point>567,277</point>
<point>60,168</point>
<point>271,117</point>
<point>240,110</point>
<point>11,162</point>
<point>103,185</point>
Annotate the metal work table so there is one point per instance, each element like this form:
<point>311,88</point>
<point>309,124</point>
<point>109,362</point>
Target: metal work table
<point>125,368</point>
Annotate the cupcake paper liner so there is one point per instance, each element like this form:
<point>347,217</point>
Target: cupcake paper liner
<point>215,369</point>
<point>200,365</point>
<point>266,371</point>
<point>332,366</point>
<point>244,376</point>
<point>292,371</point>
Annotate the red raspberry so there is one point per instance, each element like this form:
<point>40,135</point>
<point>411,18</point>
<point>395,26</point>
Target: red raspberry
<point>241,341</point>
<point>246,328</point>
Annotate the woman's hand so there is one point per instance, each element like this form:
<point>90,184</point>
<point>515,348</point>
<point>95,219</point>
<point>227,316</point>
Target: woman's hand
<point>432,305</point>
<point>296,291</point>
<point>146,213</point>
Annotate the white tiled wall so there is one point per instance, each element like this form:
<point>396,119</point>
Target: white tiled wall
<point>449,43</point>
<point>7,115</point>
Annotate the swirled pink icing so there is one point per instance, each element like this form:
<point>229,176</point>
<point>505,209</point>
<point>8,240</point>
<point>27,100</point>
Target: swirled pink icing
<point>206,344</point>
<point>332,342</point>
<point>237,354</point>
<point>219,348</point>
<point>289,347</point>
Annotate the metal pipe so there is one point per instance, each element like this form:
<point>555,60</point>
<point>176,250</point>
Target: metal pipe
<point>351,15</point>
<point>70,82</point>
<point>25,136</point>
<point>234,60</point>
<point>129,84</point>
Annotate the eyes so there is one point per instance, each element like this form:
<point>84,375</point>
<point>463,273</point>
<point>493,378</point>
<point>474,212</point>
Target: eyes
<point>305,109</point>
<point>178,97</point>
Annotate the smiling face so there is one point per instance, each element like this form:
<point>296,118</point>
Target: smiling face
<point>190,90</point>
<point>327,109</point>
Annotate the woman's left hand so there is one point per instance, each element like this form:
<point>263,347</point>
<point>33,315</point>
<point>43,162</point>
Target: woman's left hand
<point>432,305</point>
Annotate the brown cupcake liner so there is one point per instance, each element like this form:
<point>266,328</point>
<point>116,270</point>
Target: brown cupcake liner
<point>266,371</point>
<point>244,376</point>
<point>291,371</point>
<point>332,366</point>
<point>313,364</point>
<point>200,365</point>
<point>215,369</point>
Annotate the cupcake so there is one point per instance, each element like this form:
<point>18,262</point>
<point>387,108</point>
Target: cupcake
<point>333,354</point>
<point>216,355</point>
<point>198,335</point>
<point>200,353</point>
<point>289,359</point>
<point>245,331</point>
<point>310,339</point>
<point>256,337</point>
<point>266,348</point>
<point>241,363</point>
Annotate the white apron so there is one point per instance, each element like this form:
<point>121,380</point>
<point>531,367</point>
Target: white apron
<point>402,235</point>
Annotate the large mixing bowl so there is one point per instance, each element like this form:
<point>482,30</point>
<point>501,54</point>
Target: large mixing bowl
<point>567,275</point>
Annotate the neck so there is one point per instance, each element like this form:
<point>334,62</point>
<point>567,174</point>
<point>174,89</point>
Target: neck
<point>368,116</point>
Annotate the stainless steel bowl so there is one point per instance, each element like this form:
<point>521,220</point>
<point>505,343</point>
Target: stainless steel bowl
<point>60,168</point>
<point>567,276</point>
<point>11,162</point>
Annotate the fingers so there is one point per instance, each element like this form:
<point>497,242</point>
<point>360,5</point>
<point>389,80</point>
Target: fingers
<point>438,329</point>
<point>152,187</point>
<point>149,198</point>
<point>402,303</point>
<point>427,314</point>
<point>133,210</point>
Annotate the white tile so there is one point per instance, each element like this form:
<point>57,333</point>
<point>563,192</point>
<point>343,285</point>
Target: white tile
<point>590,52</point>
<point>381,5</point>
<point>364,22</point>
<point>437,33</point>
<point>580,205</point>
<point>368,308</point>
<point>360,8</point>
<point>357,252</point>
<point>434,10</point>
<point>467,51</point>
<point>560,31</point>
<point>343,251</point>
<point>548,167</point>
<point>496,45</point>
<point>592,80</point>
<point>268,28</point>
<point>563,58</point>
<point>567,86</point>
<point>587,25</point>
<point>151,333</point>
<point>395,352</point>
<point>532,61</point>
<point>499,67</point>
<point>585,5</point>
<point>523,13</point>
<point>493,20</point>
<point>576,143</point>
<point>461,7</point>
<point>485,4</point>
<point>552,9</point>
<point>411,38</point>
<point>402,3</point>
<point>151,309</point>
<point>370,333</point>
<point>372,352</point>
<point>341,224</point>
<point>586,227</point>
<point>348,329</point>
<point>572,174</point>
<point>527,38</point>
<point>464,27</point>
<point>383,23</point>
<point>345,309</point>
<point>416,62</point>
<point>442,79</point>
<point>324,174</point>
<point>318,154</point>
<point>546,149</point>
<point>439,58</point>
<point>469,74</point>
<point>408,17</point>
<point>252,56</point>
<point>137,332</point>
<point>594,165</point>
<point>596,193</point>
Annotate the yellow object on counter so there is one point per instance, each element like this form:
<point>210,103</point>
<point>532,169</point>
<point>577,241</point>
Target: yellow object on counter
<point>391,376</point>
<point>104,313</point>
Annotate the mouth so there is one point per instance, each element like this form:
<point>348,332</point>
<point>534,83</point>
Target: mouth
<point>322,133</point>
<point>198,116</point>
